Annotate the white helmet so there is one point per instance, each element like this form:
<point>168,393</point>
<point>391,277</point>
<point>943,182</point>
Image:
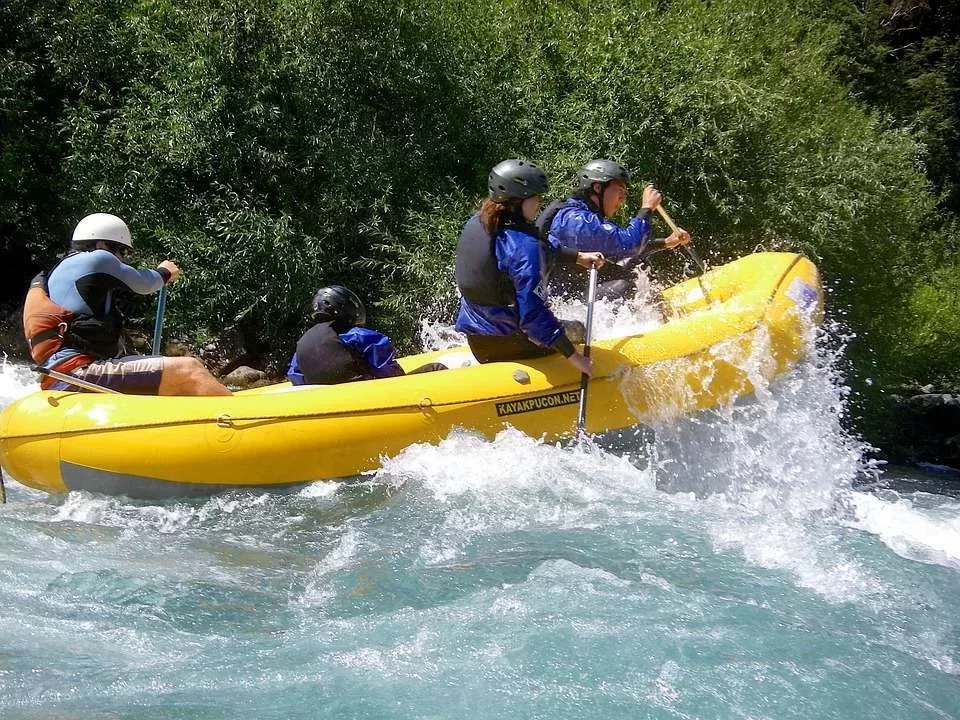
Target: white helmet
<point>103,226</point>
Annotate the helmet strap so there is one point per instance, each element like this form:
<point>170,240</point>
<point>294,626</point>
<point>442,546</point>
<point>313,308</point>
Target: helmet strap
<point>588,195</point>
<point>603,192</point>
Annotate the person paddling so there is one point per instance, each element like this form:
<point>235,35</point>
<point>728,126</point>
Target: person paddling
<point>501,273</point>
<point>338,349</point>
<point>72,323</point>
<point>581,222</point>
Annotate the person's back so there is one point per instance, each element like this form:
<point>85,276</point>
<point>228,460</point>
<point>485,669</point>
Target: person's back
<point>84,283</point>
<point>338,349</point>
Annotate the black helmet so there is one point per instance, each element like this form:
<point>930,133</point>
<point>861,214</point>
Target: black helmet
<point>516,180</point>
<point>338,305</point>
<point>601,171</point>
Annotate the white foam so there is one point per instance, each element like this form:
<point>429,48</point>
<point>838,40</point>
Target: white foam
<point>16,380</point>
<point>325,489</point>
<point>929,535</point>
<point>319,588</point>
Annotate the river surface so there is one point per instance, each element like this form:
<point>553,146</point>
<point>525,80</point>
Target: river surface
<point>749,563</point>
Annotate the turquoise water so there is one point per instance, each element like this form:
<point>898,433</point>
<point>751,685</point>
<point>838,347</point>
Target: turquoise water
<point>725,568</point>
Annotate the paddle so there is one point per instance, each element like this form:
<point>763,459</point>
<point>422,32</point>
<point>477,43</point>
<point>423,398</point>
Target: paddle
<point>158,323</point>
<point>584,378</point>
<point>75,381</point>
<point>691,253</point>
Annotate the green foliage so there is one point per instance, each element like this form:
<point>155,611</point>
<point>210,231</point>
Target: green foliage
<point>272,146</point>
<point>931,323</point>
<point>903,57</point>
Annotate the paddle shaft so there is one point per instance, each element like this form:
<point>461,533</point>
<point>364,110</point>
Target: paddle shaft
<point>584,378</point>
<point>689,250</point>
<point>691,253</point>
<point>158,323</point>
<point>75,381</point>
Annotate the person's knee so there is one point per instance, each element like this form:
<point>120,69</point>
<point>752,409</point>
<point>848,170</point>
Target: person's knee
<point>188,376</point>
<point>196,368</point>
<point>185,369</point>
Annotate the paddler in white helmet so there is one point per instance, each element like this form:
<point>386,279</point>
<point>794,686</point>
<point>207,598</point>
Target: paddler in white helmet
<point>73,325</point>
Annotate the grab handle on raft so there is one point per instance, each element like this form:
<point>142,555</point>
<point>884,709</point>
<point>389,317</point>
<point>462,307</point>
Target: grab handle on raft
<point>75,381</point>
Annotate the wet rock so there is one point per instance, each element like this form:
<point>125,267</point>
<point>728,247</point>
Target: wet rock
<point>138,343</point>
<point>931,427</point>
<point>177,348</point>
<point>938,408</point>
<point>245,377</point>
<point>222,352</point>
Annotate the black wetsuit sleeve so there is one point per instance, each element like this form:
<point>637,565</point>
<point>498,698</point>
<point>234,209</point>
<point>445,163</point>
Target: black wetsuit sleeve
<point>563,346</point>
<point>656,245</point>
<point>565,255</point>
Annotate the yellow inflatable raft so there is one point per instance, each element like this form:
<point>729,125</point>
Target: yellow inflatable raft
<point>739,324</point>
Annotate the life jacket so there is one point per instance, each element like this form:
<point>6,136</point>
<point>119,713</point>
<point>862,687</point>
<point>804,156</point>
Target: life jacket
<point>49,327</point>
<point>45,323</point>
<point>545,219</point>
<point>478,277</point>
<point>325,360</point>
<point>565,278</point>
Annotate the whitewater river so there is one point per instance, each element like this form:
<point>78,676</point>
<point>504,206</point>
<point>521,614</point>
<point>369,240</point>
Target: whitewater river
<point>744,564</point>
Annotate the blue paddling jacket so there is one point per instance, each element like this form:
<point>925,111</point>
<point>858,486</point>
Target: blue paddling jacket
<point>573,223</point>
<point>326,357</point>
<point>502,282</point>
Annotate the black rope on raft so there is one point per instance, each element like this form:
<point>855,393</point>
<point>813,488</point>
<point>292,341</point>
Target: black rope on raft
<point>3,490</point>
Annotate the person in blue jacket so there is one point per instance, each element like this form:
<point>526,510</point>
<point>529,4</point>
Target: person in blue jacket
<point>338,349</point>
<point>501,273</point>
<point>582,222</point>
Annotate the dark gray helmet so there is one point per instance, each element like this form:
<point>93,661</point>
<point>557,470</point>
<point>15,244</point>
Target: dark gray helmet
<point>516,180</point>
<point>338,305</point>
<point>601,171</point>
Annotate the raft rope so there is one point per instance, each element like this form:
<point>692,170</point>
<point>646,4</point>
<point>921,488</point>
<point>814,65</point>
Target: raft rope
<point>228,420</point>
<point>3,490</point>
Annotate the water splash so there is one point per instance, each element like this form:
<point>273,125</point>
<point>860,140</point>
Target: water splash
<point>16,380</point>
<point>723,564</point>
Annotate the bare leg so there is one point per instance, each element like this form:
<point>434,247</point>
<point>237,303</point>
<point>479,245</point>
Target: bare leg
<point>188,376</point>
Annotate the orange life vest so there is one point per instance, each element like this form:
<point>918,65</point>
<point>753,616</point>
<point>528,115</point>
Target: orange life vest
<point>45,325</point>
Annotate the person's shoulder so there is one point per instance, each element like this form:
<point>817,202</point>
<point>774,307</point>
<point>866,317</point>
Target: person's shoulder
<point>363,334</point>
<point>575,203</point>
<point>103,259</point>
<point>575,207</point>
<point>517,242</point>
<point>87,261</point>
